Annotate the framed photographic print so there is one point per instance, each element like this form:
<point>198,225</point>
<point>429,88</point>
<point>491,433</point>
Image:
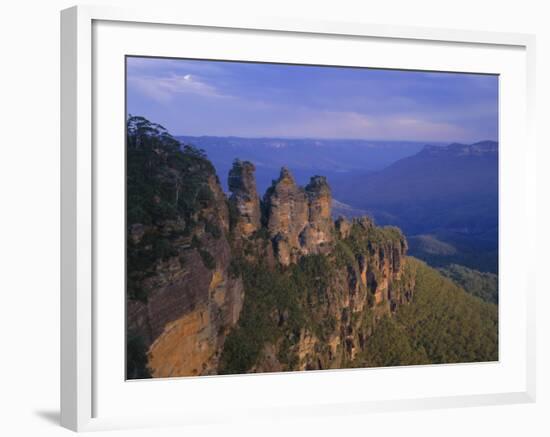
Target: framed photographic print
<point>276,218</point>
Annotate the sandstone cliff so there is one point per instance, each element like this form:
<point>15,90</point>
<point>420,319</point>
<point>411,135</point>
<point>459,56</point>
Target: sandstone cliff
<point>181,299</point>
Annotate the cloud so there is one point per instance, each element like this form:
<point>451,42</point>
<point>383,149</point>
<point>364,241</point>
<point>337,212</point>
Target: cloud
<point>165,88</point>
<point>166,65</point>
<point>355,125</point>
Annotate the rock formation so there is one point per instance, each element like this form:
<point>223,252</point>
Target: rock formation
<point>318,234</point>
<point>298,219</point>
<point>244,199</point>
<point>287,215</point>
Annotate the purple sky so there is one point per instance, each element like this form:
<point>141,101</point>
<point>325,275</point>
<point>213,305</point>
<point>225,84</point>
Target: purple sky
<point>272,100</point>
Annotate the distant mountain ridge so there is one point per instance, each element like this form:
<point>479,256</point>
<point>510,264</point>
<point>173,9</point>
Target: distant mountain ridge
<point>458,149</point>
<point>448,192</point>
<point>434,173</point>
<point>333,158</point>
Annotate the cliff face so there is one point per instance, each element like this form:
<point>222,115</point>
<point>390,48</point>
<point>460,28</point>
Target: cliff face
<point>363,279</point>
<point>189,311</point>
<point>181,300</point>
<point>225,285</point>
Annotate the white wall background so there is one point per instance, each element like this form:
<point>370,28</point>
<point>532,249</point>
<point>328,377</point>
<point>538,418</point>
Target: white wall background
<point>29,215</point>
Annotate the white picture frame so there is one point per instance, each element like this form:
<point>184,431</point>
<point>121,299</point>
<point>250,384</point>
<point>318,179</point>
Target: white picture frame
<point>81,372</point>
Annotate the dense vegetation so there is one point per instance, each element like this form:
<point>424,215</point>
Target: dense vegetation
<point>480,284</point>
<point>444,324</point>
<point>277,306</point>
<point>155,164</point>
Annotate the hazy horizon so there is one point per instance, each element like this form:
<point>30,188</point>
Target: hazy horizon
<point>373,140</point>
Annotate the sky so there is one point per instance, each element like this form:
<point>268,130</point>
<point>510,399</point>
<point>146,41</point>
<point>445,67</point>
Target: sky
<point>219,98</point>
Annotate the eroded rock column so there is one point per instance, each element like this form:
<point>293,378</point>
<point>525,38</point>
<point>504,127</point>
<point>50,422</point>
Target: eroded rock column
<point>244,198</point>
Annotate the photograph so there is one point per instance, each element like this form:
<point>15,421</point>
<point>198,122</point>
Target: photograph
<point>255,219</point>
<point>293,217</point>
